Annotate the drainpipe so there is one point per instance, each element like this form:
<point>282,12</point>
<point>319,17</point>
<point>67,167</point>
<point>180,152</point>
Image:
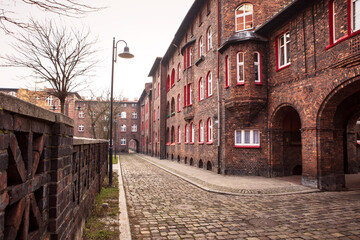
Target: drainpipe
<point>218,87</point>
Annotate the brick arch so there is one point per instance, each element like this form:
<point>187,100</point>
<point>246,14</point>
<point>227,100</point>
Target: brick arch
<point>134,145</point>
<point>335,120</point>
<point>285,140</point>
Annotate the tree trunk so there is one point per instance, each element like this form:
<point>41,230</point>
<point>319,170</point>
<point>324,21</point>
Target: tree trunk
<point>62,103</point>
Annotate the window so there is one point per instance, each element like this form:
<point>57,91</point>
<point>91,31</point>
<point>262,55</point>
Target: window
<point>179,135</point>
<point>283,50</point>
<point>49,101</point>
<point>81,114</point>
<point>158,89</point>
<point>134,115</point>
<point>168,83</point>
<point>81,128</point>
<point>209,39</point>
<point>209,131</point>
<point>134,128</point>
<point>257,67</point>
<point>123,128</point>
<point>189,96</point>
<point>179,103</point>
<point>188,57</point>
<point>247,138</point>
<point>227,72</point>
<point>154,115</point>
<point>192,135</point>
<point>185,93</point>
<point>201,47</point>
<point>172,135</point>
<point>123,114</point>
<point>123,105</point>
<point>201,89</point>
<point>12,94</point>
<point>201,131</point>
<point>179,71</point>
<point>355,15</point>
<point>244,17</point>
<point>123,141</point>
<point>209,85</point>
<point>186,134</point>
<point>158,113</point>
<point>240,68</point>
<point>172,77</point>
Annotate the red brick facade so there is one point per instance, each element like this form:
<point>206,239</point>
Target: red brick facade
<point>285,90</point>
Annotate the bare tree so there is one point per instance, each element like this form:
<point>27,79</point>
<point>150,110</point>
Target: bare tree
<point>71,8</point>
<point>62,57</point>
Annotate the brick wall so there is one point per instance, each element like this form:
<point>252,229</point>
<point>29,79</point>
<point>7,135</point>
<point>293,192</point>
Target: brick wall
<point>48,179</point>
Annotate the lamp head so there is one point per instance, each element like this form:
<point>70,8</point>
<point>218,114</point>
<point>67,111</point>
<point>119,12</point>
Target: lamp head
<point>126,53</point>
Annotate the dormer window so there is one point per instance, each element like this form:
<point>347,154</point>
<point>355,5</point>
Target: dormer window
<point>244,17</point>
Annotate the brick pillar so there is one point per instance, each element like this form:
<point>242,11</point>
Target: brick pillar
<point>309,157</point>
<point>351,145</point>
<point>61,181</point>
<point>277,148</point>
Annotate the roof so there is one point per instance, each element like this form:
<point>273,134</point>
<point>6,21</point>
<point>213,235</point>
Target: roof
<point>155,66</point>
<point>282,16</point>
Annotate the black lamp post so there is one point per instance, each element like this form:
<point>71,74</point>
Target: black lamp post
<point>125,54</point>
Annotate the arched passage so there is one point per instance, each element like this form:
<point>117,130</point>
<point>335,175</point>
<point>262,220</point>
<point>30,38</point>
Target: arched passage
<point>286,147</point>
<point>337,138</point>
<point>133,146</point>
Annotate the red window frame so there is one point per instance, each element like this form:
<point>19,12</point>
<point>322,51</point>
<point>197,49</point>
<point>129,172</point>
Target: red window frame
<point>209,46</point>
<point>168,83</point>
<point>207,85</point>
<point>185,133</point>
<point>179,71</point>
<point>189,92</point>
<point>259,68</point>
<point>278,68</point>
<point>227,72</point>
<point>185,93</point>
<point>192,137</point>
<point>201,90</point>
<point>178,102</point>
<point>208,140</point>
<point>179,135</point>
<point>172,77</point>
<point>201,135</point>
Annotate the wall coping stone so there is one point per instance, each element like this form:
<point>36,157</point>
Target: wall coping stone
<point>16,105</point>
<point>83,141</point>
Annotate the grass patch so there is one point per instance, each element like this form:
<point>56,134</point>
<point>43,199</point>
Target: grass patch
<point>115,159</point>
<point>103,222</point>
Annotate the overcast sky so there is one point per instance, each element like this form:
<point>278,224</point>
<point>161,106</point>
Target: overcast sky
<point>148,26</point>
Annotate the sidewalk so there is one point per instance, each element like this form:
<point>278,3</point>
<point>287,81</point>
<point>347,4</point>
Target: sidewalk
<point>233,185</point>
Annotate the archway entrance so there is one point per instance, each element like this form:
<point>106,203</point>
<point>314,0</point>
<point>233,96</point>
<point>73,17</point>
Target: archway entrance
<point>337,136</point>
<point>133,146</point>
<point>286,147</point>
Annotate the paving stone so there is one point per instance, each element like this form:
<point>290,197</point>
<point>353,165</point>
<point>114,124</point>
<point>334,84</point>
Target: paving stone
<point>170,208</point>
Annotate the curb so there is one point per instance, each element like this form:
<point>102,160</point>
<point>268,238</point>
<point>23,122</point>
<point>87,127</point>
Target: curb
<point>124,224</point>
<point>224,192</point>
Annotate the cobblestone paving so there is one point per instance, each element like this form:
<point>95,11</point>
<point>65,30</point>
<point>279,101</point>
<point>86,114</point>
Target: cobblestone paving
<point>163,206</point>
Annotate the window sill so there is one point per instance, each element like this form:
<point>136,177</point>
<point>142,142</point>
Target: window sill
<point>283,67</point>
<point>258,83</point>
<point>240,83</point>
<point>209,143</point>
<point>210,95</point>
<point>191,143</point>
<point>201,143</point>
<point>173,144</point>
<point>167,144</point>
<point>247,146</point>
<point>179,143</point>
<point>173,113</point>
<point>342,39</point>
<point>226,87</point>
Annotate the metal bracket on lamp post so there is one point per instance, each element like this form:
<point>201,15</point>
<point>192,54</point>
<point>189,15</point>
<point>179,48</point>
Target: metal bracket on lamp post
<point>125,54</point>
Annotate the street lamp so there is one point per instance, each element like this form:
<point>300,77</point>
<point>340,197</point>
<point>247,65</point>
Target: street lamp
<point>125,54</point>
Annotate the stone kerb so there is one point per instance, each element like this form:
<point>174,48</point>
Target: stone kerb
<point>84,141</point>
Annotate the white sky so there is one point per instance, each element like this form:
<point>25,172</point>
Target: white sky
<point>148,27</point>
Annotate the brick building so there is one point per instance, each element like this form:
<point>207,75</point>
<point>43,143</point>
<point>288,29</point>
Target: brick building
<point>145,102</point>
<point>268,88</point>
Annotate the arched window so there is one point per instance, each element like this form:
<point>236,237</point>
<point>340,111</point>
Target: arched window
<point>240,68</point>
<point>168,109</point>
<point>209,130</point>
<point>209,85</point>
<point>186,133</point>
<point>227,72</point>
<point>179,135</point>
<point>172,77</point>
<point>209,39</point>
<point>201,46</point>
<point>179,71</point>
<point>172,134</point>
<point>257,67</point>
<point>192,133</point>
<point>201,89</point>
<point>172,106</point>
<point>167,136</point>
<point>168,83</point>
<point>179,103</point>
<point>201,131</point>
<point>244,17</point>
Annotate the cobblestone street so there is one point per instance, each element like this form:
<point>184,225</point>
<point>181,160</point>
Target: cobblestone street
<point>163,206</point>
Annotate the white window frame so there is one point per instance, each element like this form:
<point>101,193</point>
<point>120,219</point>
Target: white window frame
<point>187,134</point>
<point>50,100</point>
<point>243,16</point>
<point>123,128</point>
<point>257,66</point>
<point>192,134</point>
<point>81,114</point>
<point>240,59</point>
<point>201,46</point>
<point>355,18</point>
<point>123,115</point>
<point>190,94</point>
<point>201,131</point>
<point>209,88</point>
<point>81,128</point>
<point>179,71</point>
<point>179,134</point>
<point>201,89</point>
<point>284,48</point>
<point>134,115</point>
<point>134,128</point>
<point>241,142</point>
<point>209,41</point>
<point>123,141</point>
<point>209,130</point>
<point>227,71</point>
